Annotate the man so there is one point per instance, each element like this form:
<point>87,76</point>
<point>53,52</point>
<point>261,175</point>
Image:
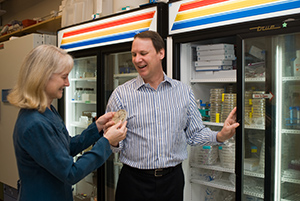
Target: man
<point>162,119</point>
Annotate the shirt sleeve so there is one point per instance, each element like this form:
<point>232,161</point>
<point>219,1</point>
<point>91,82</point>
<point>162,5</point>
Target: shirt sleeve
<point>46,147</point>
<point>80,142</point>
<point>197,133</point>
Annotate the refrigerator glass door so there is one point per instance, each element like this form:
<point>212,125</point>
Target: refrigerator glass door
<point>209,67</point>
<point>118,70</point>
<point>257,54</point>
<point>272,67</point>
<point>288,117</point>
<point>80,109</point>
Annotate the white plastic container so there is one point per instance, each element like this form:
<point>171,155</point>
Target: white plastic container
<point>297,64</point>
<point>76,11</point>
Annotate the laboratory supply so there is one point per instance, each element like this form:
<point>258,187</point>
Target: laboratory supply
<point>297,64</point>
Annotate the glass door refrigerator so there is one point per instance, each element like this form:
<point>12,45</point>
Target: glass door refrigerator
<point>102,61</point>
<point>243,54</point>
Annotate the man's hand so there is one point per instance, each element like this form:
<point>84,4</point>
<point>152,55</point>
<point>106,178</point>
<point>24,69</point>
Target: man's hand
<point>229,127</point>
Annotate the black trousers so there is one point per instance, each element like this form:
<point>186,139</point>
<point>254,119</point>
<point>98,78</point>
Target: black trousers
<point>136,185</point>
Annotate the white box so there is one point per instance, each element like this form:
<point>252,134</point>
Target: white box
<point>213,68</point>
<point>216,57</point>
<point>251,164</point>
<point>215,52</point>
<point>258,53</point>
<point>221,46</point>
<point>214,63</point>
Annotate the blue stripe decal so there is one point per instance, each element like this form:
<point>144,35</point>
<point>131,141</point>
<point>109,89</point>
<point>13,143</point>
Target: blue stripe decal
<point>110,38</point>
<point>235,15</point>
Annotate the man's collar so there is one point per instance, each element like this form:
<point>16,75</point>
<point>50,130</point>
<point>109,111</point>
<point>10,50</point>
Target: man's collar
<point>140,82</point>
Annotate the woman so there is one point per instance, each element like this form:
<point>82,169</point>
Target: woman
<point>43,147</point>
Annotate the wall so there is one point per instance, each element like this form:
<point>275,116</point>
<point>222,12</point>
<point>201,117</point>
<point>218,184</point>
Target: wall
<point>20,9</point>
<point>119,4</point>
<point>29,9</point>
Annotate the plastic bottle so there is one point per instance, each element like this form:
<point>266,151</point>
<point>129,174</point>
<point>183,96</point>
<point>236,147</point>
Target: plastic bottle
<point>297,64</point>
<point>203,111</point>
<point>79,94</point>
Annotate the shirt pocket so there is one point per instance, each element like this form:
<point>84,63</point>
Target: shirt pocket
<point>178,118</point>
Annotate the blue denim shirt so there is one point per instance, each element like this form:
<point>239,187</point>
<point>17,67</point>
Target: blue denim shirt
<point>44,152</point>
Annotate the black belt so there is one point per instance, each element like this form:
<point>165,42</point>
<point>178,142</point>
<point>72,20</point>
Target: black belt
<point>159,172</point>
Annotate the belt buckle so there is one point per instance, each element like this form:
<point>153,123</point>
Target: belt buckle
<point>156,172</point>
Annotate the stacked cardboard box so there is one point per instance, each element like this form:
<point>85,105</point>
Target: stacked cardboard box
<point>215,57</point>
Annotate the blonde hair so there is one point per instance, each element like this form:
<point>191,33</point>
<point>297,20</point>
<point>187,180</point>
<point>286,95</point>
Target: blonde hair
<point>34,74</point>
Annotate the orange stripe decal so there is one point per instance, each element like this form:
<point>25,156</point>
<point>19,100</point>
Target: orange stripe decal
<point>148,15</point>
<point>198,3</point>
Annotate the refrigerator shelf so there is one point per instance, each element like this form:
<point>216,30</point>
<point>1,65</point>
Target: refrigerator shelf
<point>255,194</point>
<point>226,185</point>
<point>219,80</point>
<point>291,78</point>
<point>255,127</point>
<point>84,102</point>
<point>254,174</point>
<point>216,167</point>
<point>220,184</point>
<point>290,131</point>
<point>207,123</point>
<point>294,197</point>
<point>91,79</point>
<point>125,75</point>
<point>256,79</point>
<point>295,181</point>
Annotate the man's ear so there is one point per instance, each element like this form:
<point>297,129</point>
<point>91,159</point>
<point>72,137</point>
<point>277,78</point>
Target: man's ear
<point>162,53</point>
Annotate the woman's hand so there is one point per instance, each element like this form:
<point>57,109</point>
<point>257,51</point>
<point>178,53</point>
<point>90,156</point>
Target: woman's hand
<point>116,133</point>
<point>104,121</point>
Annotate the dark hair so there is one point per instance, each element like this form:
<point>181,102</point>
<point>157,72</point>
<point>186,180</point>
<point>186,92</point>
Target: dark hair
<point>157,40</point>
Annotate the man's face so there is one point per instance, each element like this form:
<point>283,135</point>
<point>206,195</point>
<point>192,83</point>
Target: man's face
<point>145,58</point>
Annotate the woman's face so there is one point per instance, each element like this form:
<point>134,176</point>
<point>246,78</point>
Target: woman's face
<point>56,84</point>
